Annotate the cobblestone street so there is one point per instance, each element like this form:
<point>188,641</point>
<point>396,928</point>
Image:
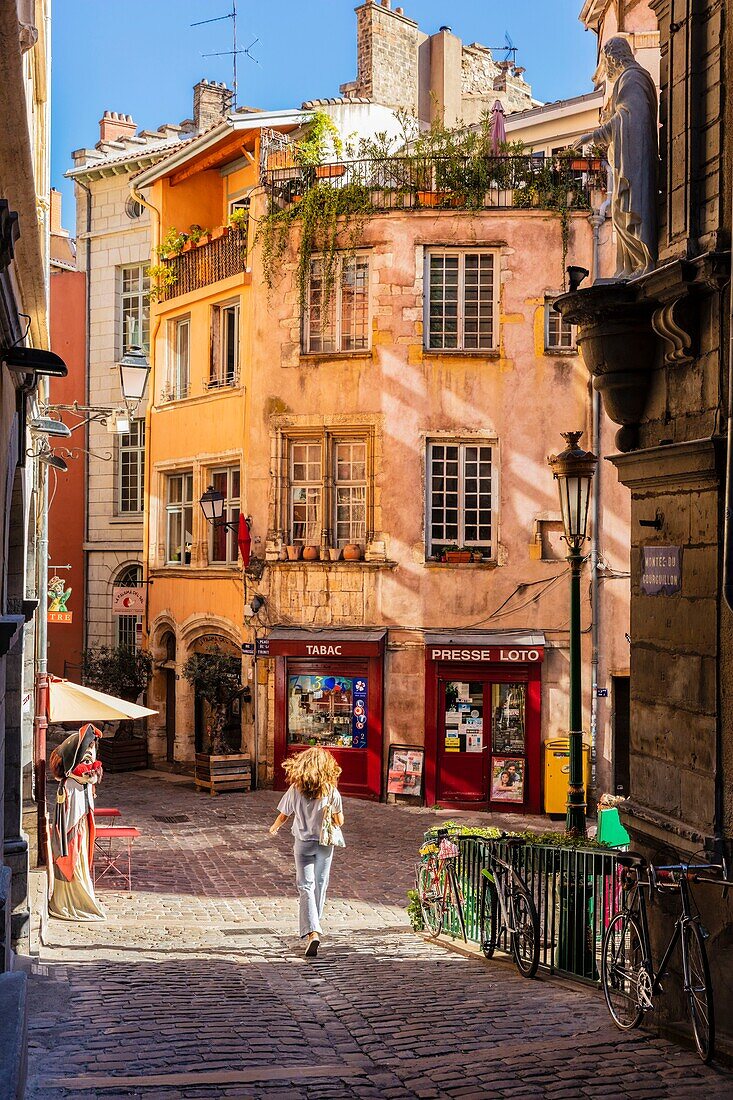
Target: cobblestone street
<point>196,984</point>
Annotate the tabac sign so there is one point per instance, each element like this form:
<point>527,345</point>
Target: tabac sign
<point>661,570</point>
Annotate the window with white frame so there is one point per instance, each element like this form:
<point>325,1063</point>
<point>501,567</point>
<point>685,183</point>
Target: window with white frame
<point>179,374</point>
<point>350,491</point>
<point>337,318</point>
<point>224,345</point>
<point>131,469</point>
<point>306,492</point>
<point>460,493</point>
<point>127,627</point>
<point>179,518</point>
<point>559,333</point>
<point>328,490</point>
<point>134,306</point>
<point>462,300</point>
<point>223,544</point>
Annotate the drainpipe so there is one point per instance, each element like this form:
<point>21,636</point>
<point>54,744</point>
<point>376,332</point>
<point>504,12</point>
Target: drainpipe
<point>87,395</point>
<point>40,722</point>
<point>727,567</point>
<point>596,221</point>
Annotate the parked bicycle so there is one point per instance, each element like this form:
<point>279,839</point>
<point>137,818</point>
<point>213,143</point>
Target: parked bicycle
<point>507,907</point>
<point>438,887</point>
<point>630,982</point>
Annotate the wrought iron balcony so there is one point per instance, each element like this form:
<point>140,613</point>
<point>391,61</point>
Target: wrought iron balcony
<point>207,263</point>
<point>445,182</point>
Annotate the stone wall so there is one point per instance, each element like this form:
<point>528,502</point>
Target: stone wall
<point>387,57</point>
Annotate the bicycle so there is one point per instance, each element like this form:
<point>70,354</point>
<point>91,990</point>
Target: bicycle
<point>508,906</point>
<point>629,979</point>
<point>437,886</point>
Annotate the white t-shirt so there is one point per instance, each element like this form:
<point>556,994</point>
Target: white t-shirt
<point>308,812</point>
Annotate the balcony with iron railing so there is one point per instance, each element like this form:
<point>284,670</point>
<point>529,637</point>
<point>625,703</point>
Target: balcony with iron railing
<point>443,182</point>
<point>205,264</point>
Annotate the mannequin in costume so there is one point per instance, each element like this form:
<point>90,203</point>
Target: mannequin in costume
<point>74,764</point>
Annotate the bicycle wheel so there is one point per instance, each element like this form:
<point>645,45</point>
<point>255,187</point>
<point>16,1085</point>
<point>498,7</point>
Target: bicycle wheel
<point>457,898</point>
<point>431,891</point>
<point>489,913</point>
<point>622,962</point>
<point>526,930</point>
<point>699,989</point>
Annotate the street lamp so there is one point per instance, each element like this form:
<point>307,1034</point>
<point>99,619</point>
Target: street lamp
<point>134,371</point>
<point>212,505</point>
<point>573,469</point>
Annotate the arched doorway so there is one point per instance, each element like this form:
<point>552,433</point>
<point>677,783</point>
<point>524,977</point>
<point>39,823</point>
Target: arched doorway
<point>232,661</point>
<point>168,643</point>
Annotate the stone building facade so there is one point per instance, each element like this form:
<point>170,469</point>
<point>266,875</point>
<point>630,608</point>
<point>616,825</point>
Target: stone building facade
<point>672,461</point>
<point>434,77</point>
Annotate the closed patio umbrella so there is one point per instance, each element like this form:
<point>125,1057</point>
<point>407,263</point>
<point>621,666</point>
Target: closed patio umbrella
<point>69,702</point>
<point>498,126</point>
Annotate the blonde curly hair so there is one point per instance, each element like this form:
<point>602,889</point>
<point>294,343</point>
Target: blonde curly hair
<point>313,772</point>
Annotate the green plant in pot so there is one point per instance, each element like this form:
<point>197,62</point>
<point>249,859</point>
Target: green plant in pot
<point>216,679</point>
<point>118,670</point>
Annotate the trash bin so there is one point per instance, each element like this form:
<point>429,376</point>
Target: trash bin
<point>557,773</point>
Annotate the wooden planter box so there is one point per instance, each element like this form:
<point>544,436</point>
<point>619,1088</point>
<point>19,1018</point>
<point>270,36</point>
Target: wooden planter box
<point>457,557</point>
<point>223,773</point>
<point>123,756</point>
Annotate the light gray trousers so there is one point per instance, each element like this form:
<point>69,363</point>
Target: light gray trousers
<point>312,868</point>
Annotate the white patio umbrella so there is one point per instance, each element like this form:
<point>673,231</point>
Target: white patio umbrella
<point>69,702</point>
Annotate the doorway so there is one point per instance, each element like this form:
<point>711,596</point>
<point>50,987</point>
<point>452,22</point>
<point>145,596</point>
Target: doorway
<point>621,718</point>
<point>483,742</point>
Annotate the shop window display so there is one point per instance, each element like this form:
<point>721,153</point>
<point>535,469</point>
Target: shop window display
<point>508,707</point>
<point>330,711</point>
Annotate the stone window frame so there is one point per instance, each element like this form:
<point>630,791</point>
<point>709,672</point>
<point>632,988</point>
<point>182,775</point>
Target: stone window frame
<point>552,319</point>
<point>124,449</point>
<point>173,390</point>
<point>232,508</point>
<point>485,440</point>
<point>359,256</point>
<point>328,435</point>
<point>140,297</point>
<point>462,251</point>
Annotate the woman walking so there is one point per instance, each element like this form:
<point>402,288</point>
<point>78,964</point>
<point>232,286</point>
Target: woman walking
<point>314,803</point>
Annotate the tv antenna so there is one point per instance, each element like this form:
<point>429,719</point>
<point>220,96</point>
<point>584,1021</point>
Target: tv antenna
<point>510,50</point>
<point>234,52</point>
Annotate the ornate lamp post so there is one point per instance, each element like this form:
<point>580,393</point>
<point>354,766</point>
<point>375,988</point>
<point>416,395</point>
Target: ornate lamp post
<point>573,469</point>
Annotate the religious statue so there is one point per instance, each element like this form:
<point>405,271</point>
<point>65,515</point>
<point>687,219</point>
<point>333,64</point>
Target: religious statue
<point>630,133</point>
<point>74,764</point>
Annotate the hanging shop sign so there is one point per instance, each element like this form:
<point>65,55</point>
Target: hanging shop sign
<point>128,601</point>
<point>58,597</point>
<point>661,570</point>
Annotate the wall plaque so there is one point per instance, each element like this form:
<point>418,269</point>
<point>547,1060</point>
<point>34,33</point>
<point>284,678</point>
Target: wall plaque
<point>661,570</point>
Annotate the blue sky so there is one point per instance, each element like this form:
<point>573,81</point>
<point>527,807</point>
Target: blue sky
<point>142,57</point>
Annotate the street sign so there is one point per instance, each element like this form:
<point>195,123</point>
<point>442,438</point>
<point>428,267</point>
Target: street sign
<point>263,647</point>
<point>602,693</point>
<point>128,601</point>
<point>661,570</point>
<point>248,648</point>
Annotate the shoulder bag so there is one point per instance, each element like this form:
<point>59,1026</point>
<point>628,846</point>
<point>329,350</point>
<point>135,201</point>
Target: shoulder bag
<point>330,833</point>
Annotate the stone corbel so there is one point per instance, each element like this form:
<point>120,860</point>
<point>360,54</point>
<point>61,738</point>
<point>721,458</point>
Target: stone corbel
<point>11,627</point>
<point>677,340</point>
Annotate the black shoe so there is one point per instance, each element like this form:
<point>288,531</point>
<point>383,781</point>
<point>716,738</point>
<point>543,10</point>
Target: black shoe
<point>312,948</point>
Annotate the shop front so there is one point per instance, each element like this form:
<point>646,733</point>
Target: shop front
<point>482,721</point>
<point>328,691</point>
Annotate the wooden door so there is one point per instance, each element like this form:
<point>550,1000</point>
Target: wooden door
<point>170,715</point>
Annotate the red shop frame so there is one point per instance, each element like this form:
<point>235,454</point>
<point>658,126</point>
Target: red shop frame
<point>485,672</point>
<point>361,776</point>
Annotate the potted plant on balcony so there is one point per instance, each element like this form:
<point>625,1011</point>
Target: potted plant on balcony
<point>216,678</point>
<point>457,555</point>
<point>171,244</point>
<point>197,235</point>
<point>239,218</point>
<point>124,672</point>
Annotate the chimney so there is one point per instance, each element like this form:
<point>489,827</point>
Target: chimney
<point>112,126</point>
<point>55,198</point>
<point>387,49</point>
<point>212,103</point>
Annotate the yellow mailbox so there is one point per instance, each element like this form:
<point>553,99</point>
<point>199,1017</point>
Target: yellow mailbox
<point>557,772</point>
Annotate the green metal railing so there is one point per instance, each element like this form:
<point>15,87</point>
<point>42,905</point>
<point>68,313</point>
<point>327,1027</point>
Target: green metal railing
<point>576,891</point>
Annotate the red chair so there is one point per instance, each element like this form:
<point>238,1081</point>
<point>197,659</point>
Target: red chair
<point>109,860</point>
<point>107,812</point>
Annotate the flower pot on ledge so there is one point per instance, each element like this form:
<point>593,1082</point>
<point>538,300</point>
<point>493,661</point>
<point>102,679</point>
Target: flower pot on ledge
<point>294,552</point>
<point>457,557</point>
<point>352,552</point>
<point>334,553</point>
<point>311,553</point>
<point>330,171</point>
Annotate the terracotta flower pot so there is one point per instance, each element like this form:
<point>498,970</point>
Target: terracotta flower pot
<point>329,171</point>
<point>220,231</point>
<point>188,246</point>
<point>294,552</point>
<point>334,553</point>
<point>457,557</point>
<point>352,552</point>
<point>311,553</point>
